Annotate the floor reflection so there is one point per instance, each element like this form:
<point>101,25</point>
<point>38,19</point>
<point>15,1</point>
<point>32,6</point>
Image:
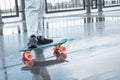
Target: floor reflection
<point>39,69</point>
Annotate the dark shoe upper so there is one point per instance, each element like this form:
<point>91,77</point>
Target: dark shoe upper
<point>32,42</point>
<point>42,40</point>
<point>39,40</point>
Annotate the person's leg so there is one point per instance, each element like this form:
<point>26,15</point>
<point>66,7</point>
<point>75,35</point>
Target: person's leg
<point>41,12</point>
<point>34,17</point>
<point>41,39</point>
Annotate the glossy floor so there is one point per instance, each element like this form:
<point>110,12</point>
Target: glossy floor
<point>93,52</point>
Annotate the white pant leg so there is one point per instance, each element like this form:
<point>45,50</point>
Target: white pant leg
<point>40,17</point>
<point>34,10</point>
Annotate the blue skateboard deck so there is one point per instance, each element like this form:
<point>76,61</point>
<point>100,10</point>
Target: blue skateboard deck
<point>45,46</point>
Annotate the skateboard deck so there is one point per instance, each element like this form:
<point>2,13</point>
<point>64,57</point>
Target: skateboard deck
<point>58,51</point>
<point>45,46</point>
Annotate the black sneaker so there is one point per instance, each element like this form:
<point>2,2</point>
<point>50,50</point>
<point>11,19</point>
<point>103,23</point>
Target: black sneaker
<point>32,42</point>
<point>42,40</point>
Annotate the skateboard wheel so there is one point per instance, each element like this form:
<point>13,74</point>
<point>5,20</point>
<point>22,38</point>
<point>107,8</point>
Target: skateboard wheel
<point>54,48</point>
<point>22,54</point>
<point>28,63</point>
<point>28,56</point>
<point>63,56</point>
<point>62,49</point>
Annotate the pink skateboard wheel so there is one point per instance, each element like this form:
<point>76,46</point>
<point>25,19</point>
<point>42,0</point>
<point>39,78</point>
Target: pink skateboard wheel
<point>22,54</point>
<point>62,49</point>
<point>28,56</point>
